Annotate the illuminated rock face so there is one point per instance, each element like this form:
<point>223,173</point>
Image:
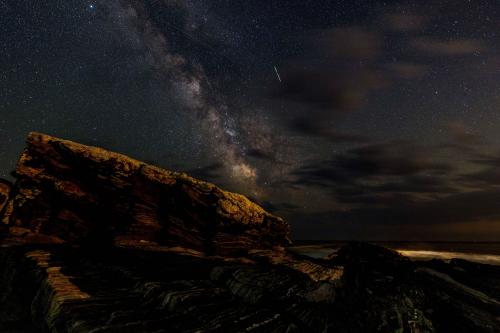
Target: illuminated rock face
<point>69,192</point>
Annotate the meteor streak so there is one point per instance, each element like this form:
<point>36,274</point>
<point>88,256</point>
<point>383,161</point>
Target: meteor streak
<point>277,74</point>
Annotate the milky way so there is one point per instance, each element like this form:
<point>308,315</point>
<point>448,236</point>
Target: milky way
<point>352,119</point>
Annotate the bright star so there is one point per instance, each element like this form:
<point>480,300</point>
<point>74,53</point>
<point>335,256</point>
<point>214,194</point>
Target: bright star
<point>91,6</point>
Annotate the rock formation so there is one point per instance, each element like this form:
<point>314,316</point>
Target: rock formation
<point>68,192</point>
<point>93,241</point>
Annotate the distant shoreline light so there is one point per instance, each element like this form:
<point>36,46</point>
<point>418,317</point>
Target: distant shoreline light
<point>446,255</point>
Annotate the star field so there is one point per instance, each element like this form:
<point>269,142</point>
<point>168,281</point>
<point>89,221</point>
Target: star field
<point>383,123</point>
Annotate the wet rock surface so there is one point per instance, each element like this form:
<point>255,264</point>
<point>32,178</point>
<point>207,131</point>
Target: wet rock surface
<point>172,254</point>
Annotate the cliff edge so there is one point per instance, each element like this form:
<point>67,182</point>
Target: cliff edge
<point>68,192</point>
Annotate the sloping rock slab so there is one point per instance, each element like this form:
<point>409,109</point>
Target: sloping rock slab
<point>69,192</point>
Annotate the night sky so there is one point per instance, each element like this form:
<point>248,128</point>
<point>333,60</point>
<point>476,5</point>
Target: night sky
<point>352,119</point>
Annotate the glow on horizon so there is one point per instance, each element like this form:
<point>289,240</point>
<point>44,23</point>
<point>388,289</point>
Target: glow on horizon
<point>445,255</point>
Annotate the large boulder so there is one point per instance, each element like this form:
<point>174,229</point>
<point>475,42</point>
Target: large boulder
<point>69,192</point>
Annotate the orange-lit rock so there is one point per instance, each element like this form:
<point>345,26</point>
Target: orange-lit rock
<point>81,194</point>
<point>5,187</point>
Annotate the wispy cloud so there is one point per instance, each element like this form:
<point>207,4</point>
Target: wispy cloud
<point>456,47</point>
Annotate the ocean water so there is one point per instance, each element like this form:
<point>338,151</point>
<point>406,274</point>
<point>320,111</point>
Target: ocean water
<point>481,252</point>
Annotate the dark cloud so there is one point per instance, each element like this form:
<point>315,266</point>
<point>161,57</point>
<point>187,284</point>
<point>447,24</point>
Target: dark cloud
<point>484,178</point>
<point>456,47</point>
<point>378,187</point>
<point>334,80</point>
<point>337,73</point>
<point>416,184</point>
<point>463,135</point>
<point>487,159</point>
<point>260,154</point>
<point>489,174</point>
<point>328,88</point>
<point>345,67</point>
<point>279,207</point>
<point>407,71</point>
<point>398,159</point>
<point>209,172</point>
<point>352,42</point>
<point>375,178</point>
<point>454,208</point>
<point>405,22</point>
<point>465,216</point>
<point>314,126</point>
<point>265,156</point>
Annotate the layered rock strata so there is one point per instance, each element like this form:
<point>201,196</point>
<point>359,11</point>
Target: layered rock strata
<point>69,192</point>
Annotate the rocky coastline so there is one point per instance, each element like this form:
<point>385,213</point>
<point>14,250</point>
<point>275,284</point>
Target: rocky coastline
<point>94,241</point>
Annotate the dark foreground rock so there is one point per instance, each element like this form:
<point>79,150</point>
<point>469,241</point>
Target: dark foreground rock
<point>96,242</point>
<point>58,288</point>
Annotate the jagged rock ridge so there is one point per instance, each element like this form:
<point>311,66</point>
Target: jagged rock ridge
<point>69,192</point>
